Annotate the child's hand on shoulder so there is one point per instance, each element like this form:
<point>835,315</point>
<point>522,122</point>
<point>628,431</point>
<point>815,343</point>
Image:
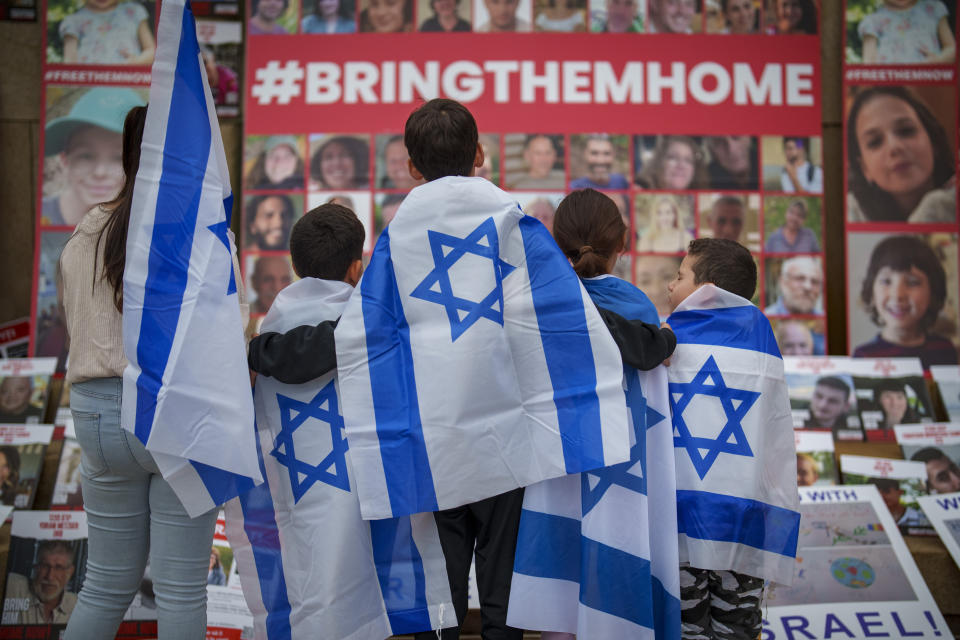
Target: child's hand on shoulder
<point>664,325</point>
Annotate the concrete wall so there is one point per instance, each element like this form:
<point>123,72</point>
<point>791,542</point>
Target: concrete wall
<point>21,104</point>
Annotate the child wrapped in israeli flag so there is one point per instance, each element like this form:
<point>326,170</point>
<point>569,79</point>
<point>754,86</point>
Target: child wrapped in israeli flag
<point>587,562</point>
<point>308,562</point>
<point>737,502</point>
<point>472,362</point>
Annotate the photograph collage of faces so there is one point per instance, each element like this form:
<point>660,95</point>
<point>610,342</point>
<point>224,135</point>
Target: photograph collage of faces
<point>900,146</point>
<point>122,33</point>
<point>735,17</point>
<point>762,191</point>
<point>82,146</point>
<point>837,399</point>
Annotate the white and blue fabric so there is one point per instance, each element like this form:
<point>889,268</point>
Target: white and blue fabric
<point>473,361</point>
<point>310,566</point>
<point>736,487</point>
<point>186,390</point>
<point>596,555</point>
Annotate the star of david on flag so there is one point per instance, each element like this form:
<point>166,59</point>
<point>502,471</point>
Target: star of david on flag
<point>620,474</point>
<point>735,403</point>
<point>447,250</point>
<point>303,475</point>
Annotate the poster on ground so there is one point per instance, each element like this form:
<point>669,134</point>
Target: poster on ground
<point>937,446</point>
<point>943,512</point>
<point>855,577</point>
<point>899,482</point>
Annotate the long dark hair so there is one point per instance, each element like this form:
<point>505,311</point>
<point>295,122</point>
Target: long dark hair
<point>875,203</point>
<point>589,230</point>
<point>115,228</point>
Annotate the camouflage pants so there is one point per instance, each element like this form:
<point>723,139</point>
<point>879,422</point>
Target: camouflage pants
<point>719,605</point>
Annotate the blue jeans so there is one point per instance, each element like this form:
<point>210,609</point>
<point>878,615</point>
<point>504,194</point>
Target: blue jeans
<point>133,515</point>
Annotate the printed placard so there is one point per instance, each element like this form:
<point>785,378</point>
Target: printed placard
<point>899,482</point>
<point>67,492</point>
<point>47,566</point>
<point>24,383</point>
<point>937,446</point>
<point>15,338</point>
<point>822,396</point>
<point>228,616</point>
<point>22,448</point>
<point>854,576</point>
<point>816,464</point>
<point>890,391</point>
<point>943,512</point>
<point>947,378</point>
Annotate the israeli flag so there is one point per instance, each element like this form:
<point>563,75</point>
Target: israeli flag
<point>186,390</point>
<point>586,561</point>
<point>308,563</point>
<point>736,485</point>
<point>473,361</point>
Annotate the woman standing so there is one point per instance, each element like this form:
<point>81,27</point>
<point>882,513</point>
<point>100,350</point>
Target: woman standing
<point>132,512</point>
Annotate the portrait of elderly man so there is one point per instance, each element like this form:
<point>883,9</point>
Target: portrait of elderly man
<point>800,287</point>
<point>270,275</point>
<point>540,170</point>
<point>42,597</point>
<point>599,154</point>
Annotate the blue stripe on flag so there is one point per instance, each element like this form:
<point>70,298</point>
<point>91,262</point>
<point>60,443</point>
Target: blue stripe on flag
<point>222,485</point>
<point>396,557</point>
<point>260,525</point>
<point>186,152</point>
<point>566,345</point>
<point>743,327</point>
<point>554,545</point>
<point>713,516</point>
<point>617,583</point>
<point>611,580</point>
<point>394,388</point>
<point>666,611</point>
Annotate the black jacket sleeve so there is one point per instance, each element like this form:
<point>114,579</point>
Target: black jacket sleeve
<point>297,356</point>
<point>642,346</point>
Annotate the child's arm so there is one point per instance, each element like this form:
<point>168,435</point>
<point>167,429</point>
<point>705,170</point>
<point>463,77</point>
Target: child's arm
<point>297,356</point>
<point>70,49</point>
<point>642,346</point>
<point>148,46</point>
<point>948,45</point>
<point>869,50</point>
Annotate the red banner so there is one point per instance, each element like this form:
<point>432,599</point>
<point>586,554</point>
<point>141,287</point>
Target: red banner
<point>565,83</point>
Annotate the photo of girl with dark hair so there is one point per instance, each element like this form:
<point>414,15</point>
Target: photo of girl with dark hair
<point>904,290</point>
<point>900,165</point>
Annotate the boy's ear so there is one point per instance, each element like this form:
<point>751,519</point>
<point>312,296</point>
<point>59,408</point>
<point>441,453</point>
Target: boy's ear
<point>414,172</point>
<point>479,158</point>
<point>354,271</point>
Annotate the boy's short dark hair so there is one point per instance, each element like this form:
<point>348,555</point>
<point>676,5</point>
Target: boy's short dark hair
<point>441,138</point>
<point>833,382</point>
<point>325,242</point>
<point>725,263</point>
